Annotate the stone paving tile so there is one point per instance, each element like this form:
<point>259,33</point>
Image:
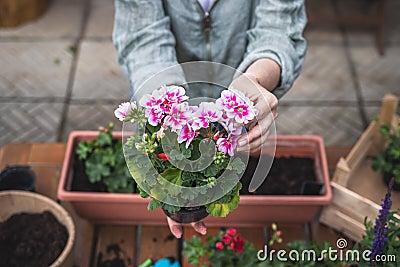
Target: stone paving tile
<point>34,69</point>
<point>98,73</point>
<point>101,19</point>
<point>62,19</point>
<point>90,117</point>
<point>323,77</point>
<point>377,75</point>
<point>337,125</point>
<point>29,122</point>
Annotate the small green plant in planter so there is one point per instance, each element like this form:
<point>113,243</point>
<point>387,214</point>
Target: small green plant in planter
<point>224,249</point>
<point>387,162</point>
<point>104,162</point>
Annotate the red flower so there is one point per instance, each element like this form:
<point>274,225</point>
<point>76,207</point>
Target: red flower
<point>163,156</point>
<point>232,231</point>
<point>237,244</point>
<point>226,239</point>
<point>219,245</point>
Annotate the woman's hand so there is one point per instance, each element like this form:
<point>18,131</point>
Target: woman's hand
<point>260,78</point>
<point>177,228</point>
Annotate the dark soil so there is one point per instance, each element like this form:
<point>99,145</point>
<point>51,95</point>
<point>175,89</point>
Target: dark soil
<point>80,181</point>
<point>117,260</point>
<point>34,240</point>
<point>288,176</point>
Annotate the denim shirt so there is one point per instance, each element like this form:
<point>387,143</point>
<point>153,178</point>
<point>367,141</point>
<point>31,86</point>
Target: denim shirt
<point>151,35</point>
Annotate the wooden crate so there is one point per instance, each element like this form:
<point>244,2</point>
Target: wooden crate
<point>357,189</point>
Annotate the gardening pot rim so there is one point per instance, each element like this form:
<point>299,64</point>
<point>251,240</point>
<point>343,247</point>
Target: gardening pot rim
<point>68,223</point>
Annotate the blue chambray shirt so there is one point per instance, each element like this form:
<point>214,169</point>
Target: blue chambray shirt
<point>151,35</point>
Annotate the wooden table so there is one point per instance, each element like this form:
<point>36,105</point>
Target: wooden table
<point>136,243</point>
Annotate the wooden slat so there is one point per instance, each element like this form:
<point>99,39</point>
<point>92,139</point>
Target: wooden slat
<point>83,239</point>
<point>47,153</point>
<point>14,154</point>
<point>157,242</point>
<point>115,244</point>
<point>334,153</point>
<point>47,180</point>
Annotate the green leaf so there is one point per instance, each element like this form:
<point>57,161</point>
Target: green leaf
<point>173,175</point>
<point>211,170</point>
<point>83,150</point>
<point>237,165</point>
<point>96,171</point>
<point>186,152</point>
<point>103,139</point>
<point>153,204</point>
<point>170,208</point>
<point>152,128</point>
<point>222,209</point>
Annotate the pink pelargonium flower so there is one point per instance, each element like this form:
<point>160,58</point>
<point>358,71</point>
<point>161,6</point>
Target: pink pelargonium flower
<point>123,111</point>
<point>231,126</point>
<point>187,133</point>
<point>237,106</point>
<point>227,145</point>
<point>154,116</point>
<point>206,113</point>
<point>178,116</point>
<point>175,94</point>
<point>159,103</point>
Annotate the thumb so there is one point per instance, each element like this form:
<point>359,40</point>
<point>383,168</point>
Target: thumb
<point>200,227</point>
<point>175,228</point>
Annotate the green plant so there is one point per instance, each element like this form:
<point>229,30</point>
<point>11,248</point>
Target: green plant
<point>183,156</point>
<point>383,237</point>
<point>388,161</point>
<point>225,249</point>
<point>104,162</point>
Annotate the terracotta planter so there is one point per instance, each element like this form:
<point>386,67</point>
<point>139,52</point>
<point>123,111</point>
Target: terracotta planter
<point>13,202</point>
<point>259,210</point>
<point>103,208</point>
<point>252,210</point>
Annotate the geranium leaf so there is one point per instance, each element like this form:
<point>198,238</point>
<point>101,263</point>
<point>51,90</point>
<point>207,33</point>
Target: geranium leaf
<point>173,175</point>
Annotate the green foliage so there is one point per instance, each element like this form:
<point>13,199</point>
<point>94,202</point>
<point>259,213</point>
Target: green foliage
<point>388,161</point>
<point>104,162</point>
<point>199,253</point>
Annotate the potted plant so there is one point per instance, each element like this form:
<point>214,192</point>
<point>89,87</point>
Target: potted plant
<point>253,209</point>
<point>387,162</point>
<point>97,182</point>
<point>182,155</point>
<point>34,231</point>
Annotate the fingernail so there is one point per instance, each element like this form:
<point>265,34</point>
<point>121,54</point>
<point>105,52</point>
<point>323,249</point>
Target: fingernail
<point>242,142</point>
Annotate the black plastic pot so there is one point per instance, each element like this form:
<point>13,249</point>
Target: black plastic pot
<point>387,177</point>
<point>17,178</point>
<point>188,215</point>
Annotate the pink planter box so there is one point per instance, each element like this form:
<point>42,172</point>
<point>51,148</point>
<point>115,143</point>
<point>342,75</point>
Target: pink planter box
<point>253,210</point>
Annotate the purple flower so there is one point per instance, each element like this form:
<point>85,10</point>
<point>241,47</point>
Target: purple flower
<point>123,111</point>
<point>381,223</point>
